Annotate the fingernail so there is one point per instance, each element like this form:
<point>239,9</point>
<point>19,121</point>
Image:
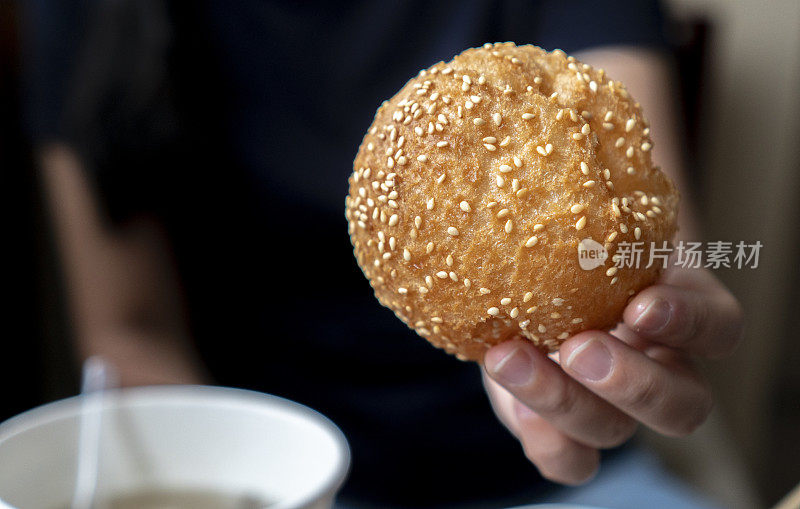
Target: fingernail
<point>591,360</point>
<point>654,317</point>
<point>516,368</point>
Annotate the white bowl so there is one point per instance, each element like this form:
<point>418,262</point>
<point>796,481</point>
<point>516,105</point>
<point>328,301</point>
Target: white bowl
<point>178,437</point>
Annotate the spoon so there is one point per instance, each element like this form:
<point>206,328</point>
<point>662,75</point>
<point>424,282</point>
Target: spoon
<point>97,376</point>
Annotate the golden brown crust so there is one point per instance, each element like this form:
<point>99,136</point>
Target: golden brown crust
<point>476,182</point>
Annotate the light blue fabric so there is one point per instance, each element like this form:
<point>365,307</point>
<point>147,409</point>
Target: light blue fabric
<point>633,479</point>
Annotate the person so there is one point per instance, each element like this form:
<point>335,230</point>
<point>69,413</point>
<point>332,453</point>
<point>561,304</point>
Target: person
<point>195,158</point>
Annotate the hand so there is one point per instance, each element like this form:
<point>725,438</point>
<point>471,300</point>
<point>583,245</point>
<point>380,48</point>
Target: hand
<point>564,411</point>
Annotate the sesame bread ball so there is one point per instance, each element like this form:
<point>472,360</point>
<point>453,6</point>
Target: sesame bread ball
<point>478,180</point>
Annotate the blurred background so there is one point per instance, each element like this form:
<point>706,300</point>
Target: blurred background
<point>739,63</point>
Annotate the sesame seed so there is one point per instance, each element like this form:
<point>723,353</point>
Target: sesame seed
<point>418,221</point>
<point>394,220</point>
<point>430,203</point>
<point>560,114</point>
<point>514,313</point>
<point>490,147</point>
<point>490,139</point>
<point>541,150</point>
<point>484,291</point>
<point>614,280</point>
<point>517,162</point>
<point>548,148</point>
<point>629,152</point>
<point>449,260</point>
<point>402,290</point>
<point>542,328</point>
<point>406,255</point>
<point>646,146</point>
<point>387,255</point>
<point>564,335</point>
<point>497,118</point>
<point>620,142</point>
<point>577,136</point>
<point>584,168</point>
<point>429,247</point>
<point>467,282</point>
<point>442,144</point>
<point>528,116</point>
<point>531,309</point>
<point>452,230</point>
<point>580,223</point>
<point>577,320</point>
<point>515,185</point>
<point>615,210</point>
<point>441,178</point>
<point>475,98</point>
<point>608,126</point>
<point>429,281</point>
<point>610,272</point>
<point>478,121</point>
<point>505,301</point>
<point>423,290</point>
<point>505,141</point>
<point>637,233</point>
<point>493,311</point>
<point>509,226</point>
<point>503,213</point>
<point>528,296</point>
<point>589,183</point>
<point>555,315</point>
<point>491,204</point>
<point>390,162</point>
<point>586,129</point>
<point>465,206</point>
<point>437,319</point>
<point>532,241</point>
<point>611,237</point>
<point>523,324</point>
<point>454,277</point>
<point>422,158</point>
<point>630,170</point>
<point>500,181</point>
<point>623,228</point>
<point>577,208</point>
<point>629,125</point>
<point>441,274</point>
<point>538,226</point>
<point>522,193</point>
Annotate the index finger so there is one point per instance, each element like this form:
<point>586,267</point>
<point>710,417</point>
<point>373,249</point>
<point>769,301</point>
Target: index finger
<point>704,322</point>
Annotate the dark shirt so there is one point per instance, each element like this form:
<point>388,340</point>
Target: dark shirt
<point>235,123</point>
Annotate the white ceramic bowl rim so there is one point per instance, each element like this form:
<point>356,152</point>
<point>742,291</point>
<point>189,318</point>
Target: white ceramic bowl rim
<point>131,397</point>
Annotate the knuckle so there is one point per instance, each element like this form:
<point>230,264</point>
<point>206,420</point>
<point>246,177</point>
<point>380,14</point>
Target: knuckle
<point>695,414</point>
<point>558,399</point>
<point>618,432</point>
<point>642,396</point>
